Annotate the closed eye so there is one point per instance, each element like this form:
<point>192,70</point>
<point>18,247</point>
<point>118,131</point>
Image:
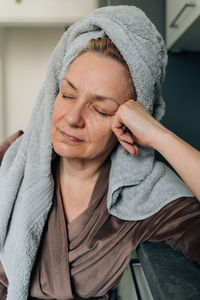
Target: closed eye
<point>101,112</point>
<point>67,97</point>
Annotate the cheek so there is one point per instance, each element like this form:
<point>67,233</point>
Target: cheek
<point>56,115</point>
<point>57,112</point>
<point>100,131</point>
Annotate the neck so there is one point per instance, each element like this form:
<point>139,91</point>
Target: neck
<point>79,169</point>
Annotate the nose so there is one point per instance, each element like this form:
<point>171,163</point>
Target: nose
<point>74,116</point>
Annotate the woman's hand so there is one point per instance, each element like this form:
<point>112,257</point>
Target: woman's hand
<point>133,125</point>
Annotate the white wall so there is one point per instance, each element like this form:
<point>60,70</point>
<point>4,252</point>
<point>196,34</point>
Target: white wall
<point>26,54</point>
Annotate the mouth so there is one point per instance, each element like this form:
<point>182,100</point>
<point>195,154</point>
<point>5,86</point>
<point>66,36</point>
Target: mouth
<point>70,137</point>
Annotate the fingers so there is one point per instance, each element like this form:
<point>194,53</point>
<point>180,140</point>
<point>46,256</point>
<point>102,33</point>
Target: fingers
<point>123,133</point>
<point>125,137</point>
<point>128,144</point>
<point>130,148</point>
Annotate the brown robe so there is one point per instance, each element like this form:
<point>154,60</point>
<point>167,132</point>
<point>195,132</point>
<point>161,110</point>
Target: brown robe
<point>86,258</point>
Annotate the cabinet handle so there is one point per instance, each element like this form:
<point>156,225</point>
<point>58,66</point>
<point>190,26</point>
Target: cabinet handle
<point>187,4</point>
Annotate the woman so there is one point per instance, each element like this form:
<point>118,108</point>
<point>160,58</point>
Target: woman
<point>85,203</point>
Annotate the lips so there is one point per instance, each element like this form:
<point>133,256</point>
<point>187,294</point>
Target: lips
<point>70,137</point>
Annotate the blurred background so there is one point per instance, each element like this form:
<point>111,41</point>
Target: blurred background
<point>30,29</point>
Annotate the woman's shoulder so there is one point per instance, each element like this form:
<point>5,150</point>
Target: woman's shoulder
<point>7,142</point>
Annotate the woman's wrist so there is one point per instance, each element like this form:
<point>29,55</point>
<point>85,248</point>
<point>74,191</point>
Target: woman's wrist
<point>161,138</point>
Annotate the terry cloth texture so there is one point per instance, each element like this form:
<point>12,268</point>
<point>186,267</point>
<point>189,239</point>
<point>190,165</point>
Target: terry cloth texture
<point>138,187</point>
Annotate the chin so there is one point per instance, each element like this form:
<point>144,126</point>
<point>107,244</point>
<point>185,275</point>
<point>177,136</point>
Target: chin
<point>67,151</point>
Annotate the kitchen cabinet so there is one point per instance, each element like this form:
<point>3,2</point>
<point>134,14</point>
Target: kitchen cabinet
<point>43,12</point>
<point>183,25</point>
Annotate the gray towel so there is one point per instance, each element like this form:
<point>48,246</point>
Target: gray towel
<point>139,186</point>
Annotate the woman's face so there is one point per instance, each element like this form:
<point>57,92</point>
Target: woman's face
<point>91,92</point>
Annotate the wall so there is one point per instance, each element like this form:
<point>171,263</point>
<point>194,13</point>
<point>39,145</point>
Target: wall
<point>26,54</point>
<point>181,91</point>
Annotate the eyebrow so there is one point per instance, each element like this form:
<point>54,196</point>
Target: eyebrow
<point>97,97</point>
<point>70,83</point>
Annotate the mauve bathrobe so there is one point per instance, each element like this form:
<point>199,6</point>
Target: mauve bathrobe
<point>87,257</point>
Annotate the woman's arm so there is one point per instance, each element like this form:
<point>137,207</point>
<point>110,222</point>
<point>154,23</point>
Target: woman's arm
<point>177,225</point>
<point>132,124</point>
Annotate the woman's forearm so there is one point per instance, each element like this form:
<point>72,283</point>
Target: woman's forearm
<point>183,158</point>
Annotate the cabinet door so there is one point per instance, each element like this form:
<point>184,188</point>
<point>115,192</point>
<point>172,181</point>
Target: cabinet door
<point>180,15</point>
<point>22,12</point>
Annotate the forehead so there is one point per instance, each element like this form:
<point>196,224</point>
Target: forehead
<point>92,61</point>
<point>96,71</point>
